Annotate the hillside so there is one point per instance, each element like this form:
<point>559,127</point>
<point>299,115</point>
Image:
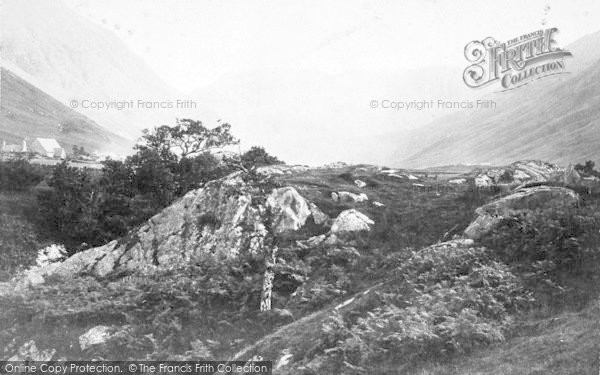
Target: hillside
<point>26,111</point>
<point>373,271</point>
<point>553,119</point>
<point>71,58</point>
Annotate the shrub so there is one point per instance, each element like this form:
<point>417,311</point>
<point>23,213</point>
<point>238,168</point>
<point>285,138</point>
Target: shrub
<point>19,174</point>
<point>258,157</point>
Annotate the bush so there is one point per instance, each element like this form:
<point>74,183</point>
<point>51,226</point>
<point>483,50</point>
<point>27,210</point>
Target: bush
<point>258,157</point>
<point>19,175</point>
<point>69,210</point>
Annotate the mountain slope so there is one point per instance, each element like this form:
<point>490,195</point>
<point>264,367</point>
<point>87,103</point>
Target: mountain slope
<point>555,119</point>
<point>25,111</point>
<point>69,57</point>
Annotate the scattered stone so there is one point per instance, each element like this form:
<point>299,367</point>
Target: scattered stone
<point>335,196</point>
<point>335,165</point>
<point>95,336</point>
<point>284,360</point>
<point>270,170</point>
<point>411,177</point>
<point>378,204</point>
<point>351,197</point>
<point>457,181</point>
<point>30,352</point>
<point>351,221</point>
<point>483,181</point>
<point>360,184</point>
<point>280,169</point>
<point>312,242</point>
<point>319,216</point>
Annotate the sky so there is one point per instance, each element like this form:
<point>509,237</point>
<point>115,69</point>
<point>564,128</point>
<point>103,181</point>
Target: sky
<point>193,43</point>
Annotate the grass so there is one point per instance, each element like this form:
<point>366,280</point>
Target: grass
<point>413,216</point>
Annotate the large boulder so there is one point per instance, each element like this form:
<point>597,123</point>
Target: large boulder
<point>289,209</point>
<point>220,220</point>
<point>491,214</point>
<point>351,221</point>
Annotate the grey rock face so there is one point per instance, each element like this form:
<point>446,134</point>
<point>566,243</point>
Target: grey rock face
<point>290,210</point>
<point>219,220</point>
<point>520,172</point>
<point>531,198</point>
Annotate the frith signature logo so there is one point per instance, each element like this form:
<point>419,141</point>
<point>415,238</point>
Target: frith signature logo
<point>514,63</point>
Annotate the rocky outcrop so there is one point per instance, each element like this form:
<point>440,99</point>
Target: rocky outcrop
<point>519,173</point>
<point>222,220</point>
<point>491,214</point>
<point>351,221</point>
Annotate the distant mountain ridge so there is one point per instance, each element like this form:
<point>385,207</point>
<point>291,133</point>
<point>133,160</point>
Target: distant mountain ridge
<point>27,112</point>
<point>555,119</point>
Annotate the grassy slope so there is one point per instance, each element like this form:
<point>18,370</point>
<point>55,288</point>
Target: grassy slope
<point>26,111</point>
<point>413,217</point>
<point>567,344</point>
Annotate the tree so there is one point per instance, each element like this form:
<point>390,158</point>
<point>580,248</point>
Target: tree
<point>187,138</point>
<point>70,207</point>
<point>258,157</point>
<point>587,168</point>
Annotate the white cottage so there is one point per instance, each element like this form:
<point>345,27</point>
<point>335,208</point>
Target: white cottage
<point>47,147</point>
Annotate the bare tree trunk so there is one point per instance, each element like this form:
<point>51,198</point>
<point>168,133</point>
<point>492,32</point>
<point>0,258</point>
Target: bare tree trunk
<point>267,289</point>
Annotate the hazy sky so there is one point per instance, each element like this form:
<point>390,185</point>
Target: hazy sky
<point>191,43</point>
